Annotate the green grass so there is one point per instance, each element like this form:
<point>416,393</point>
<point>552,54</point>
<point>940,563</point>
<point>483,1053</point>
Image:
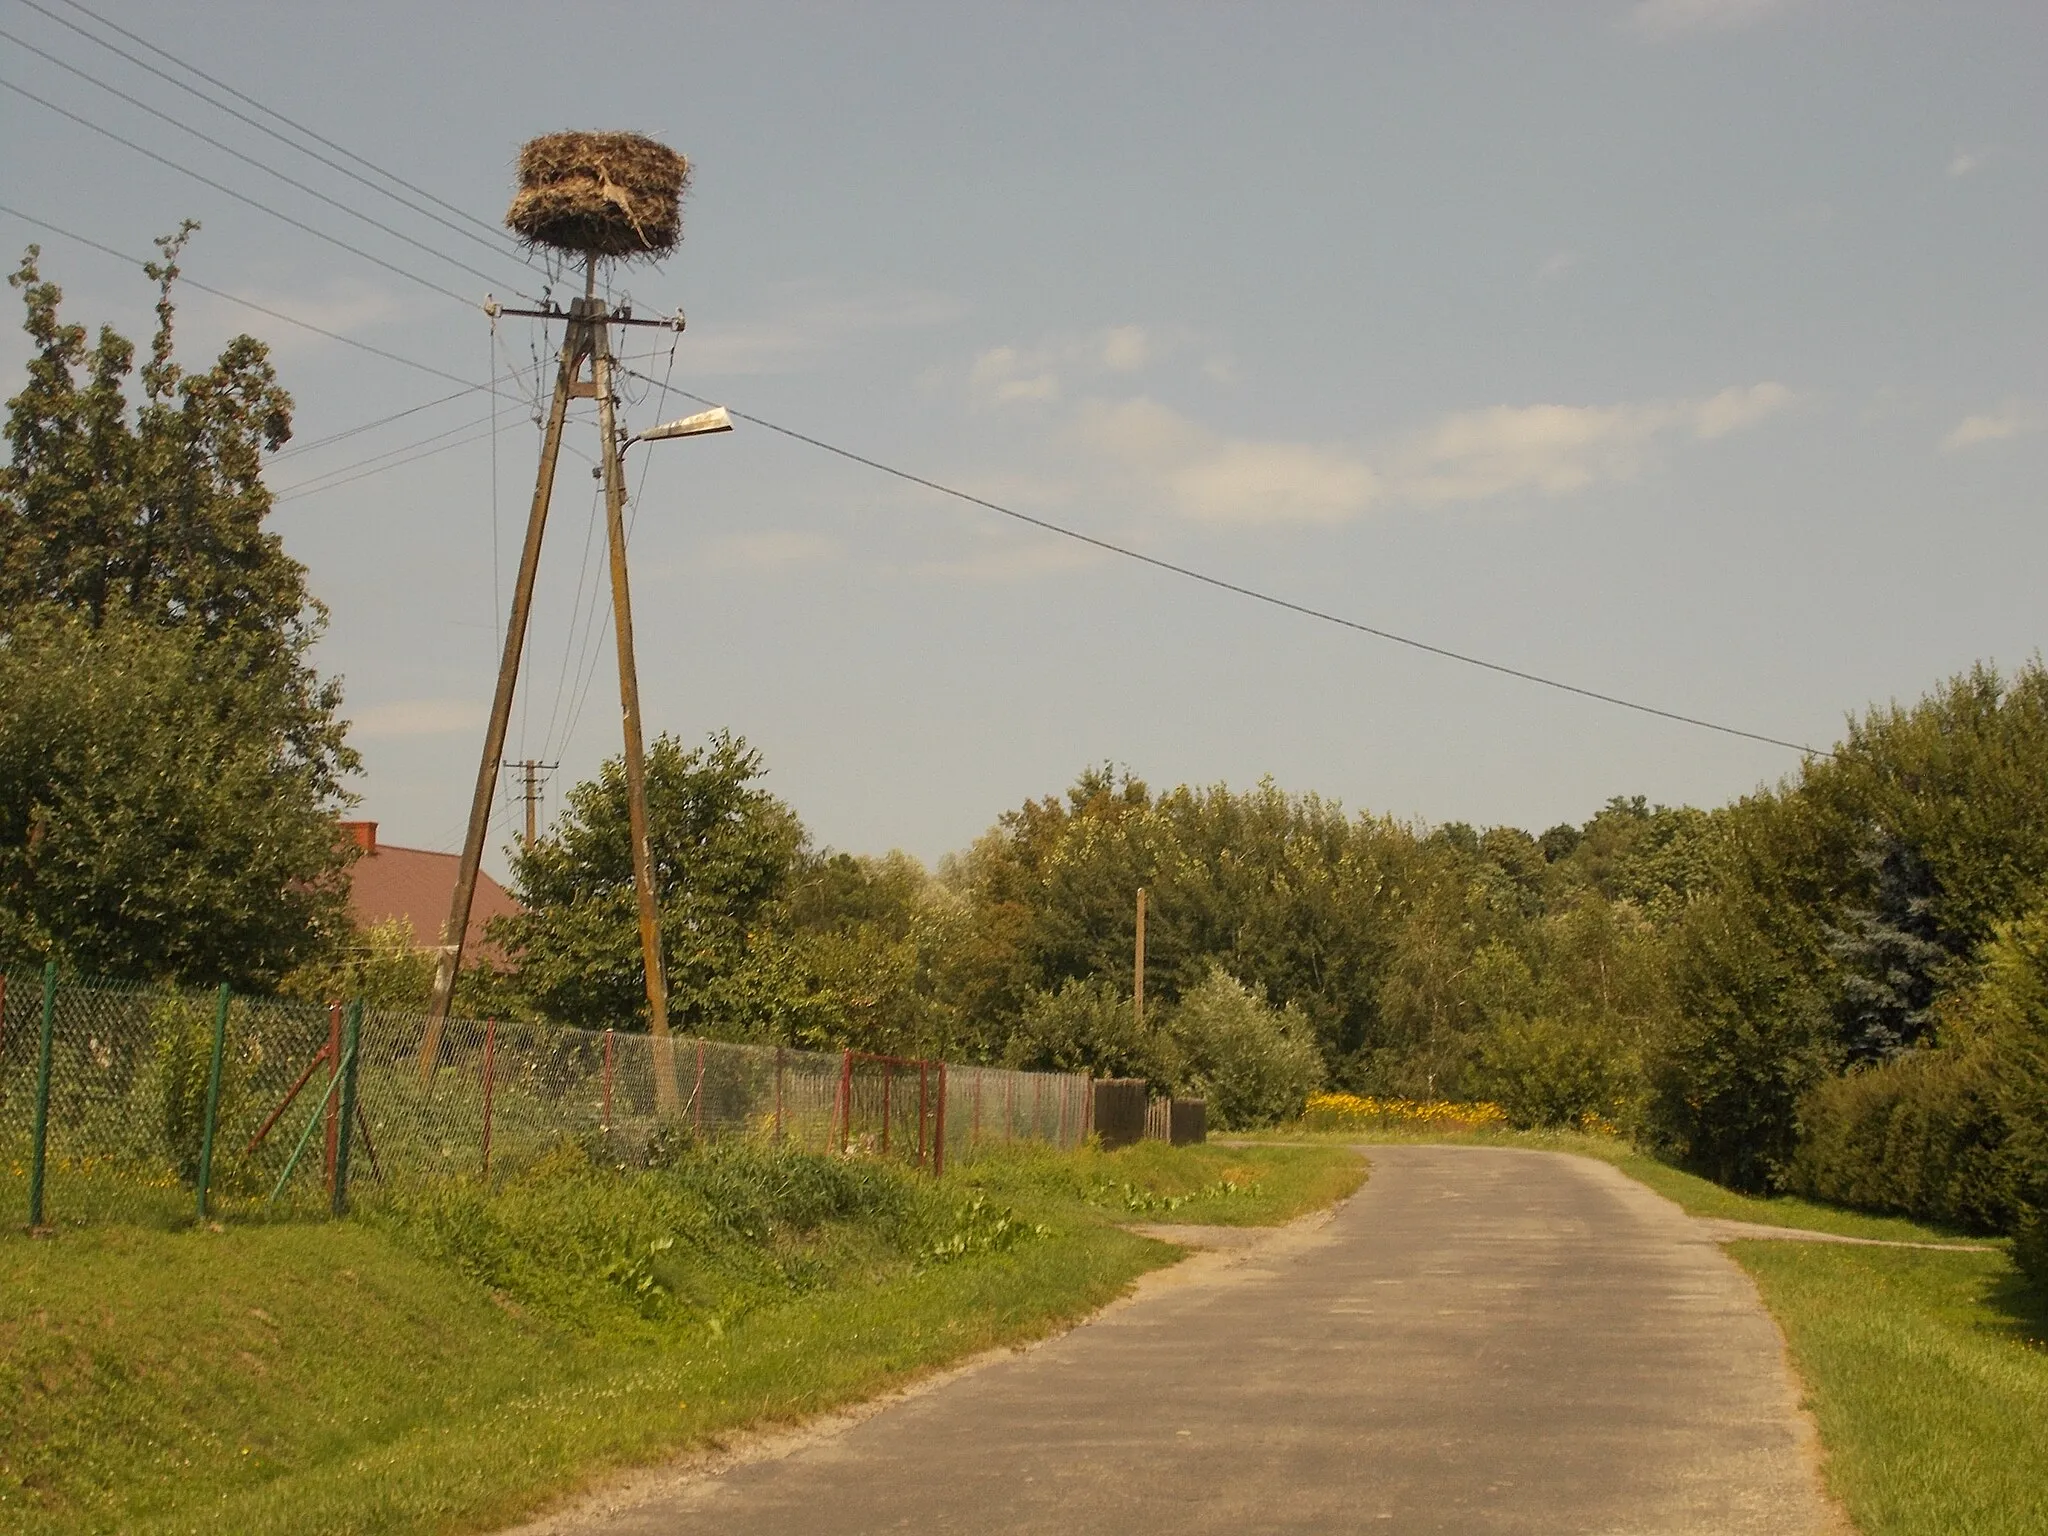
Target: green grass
<point>452,1362</point>
<point>1928,1374</point>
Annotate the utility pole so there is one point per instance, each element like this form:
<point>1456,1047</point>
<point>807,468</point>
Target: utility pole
<point>529,791</point>
<point>1138,967</point>
<point>586,341</point>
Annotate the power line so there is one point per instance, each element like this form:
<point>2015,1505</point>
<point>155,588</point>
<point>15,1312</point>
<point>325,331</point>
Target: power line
<point>499,241</point>
<point>364,468</point>
<point>240,197</point>
<point>235,298</point>
<point>246,159</point>
<point>1224,585</point>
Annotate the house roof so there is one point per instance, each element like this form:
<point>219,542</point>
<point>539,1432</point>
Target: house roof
<point>416,884</point>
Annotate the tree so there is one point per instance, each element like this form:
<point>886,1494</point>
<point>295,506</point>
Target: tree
<point>172,763</point>
<point>157,821</point>
<point>725,851</point>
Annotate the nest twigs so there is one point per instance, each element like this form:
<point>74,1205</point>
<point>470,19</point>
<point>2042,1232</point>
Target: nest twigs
<point>610,195</point>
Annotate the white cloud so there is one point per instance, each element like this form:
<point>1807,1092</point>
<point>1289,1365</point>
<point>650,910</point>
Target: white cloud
<point>1965,163</point>
<point>1125,349</point>
<point>1236,481</point>
<point>2015,418</point>
<point>1472,455</point>
<point>1556,265</point>
<point>1014,558</point>
<point>418,717</point>
<point>775,547</point>
<point>1737,407</point>
<point>1670,18</point>
<point>1037,375</point>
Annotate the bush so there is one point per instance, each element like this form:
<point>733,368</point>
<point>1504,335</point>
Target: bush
<point>1923,1135</point>
<point>1088,1026</point>
<point>1254,1063</point>
<point>1553,1072</point>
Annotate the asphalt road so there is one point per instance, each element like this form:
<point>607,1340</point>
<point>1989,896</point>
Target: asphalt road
<point>1481,1340</point>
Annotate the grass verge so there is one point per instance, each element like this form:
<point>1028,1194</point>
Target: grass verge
<point>455,1362</point>
<point>1928,1375</point>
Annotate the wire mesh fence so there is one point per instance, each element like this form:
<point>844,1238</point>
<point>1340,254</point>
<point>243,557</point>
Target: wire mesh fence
<point>150,1105</point>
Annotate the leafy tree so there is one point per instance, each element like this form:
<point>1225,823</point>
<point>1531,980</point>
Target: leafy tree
<point>725,851</point>
<point>170,764</point>
<point>157,821</point>
<point>1088,1026</point>
<point>1252,1062</point>
<point>1746,1038</point>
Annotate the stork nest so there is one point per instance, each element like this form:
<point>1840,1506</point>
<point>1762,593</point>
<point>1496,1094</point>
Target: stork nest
<point>600,194</point>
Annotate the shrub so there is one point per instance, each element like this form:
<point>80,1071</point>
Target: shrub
<point>1552,1072</point>
<point>1254,1063</point>
<point>1088,1026</point>
<point>1923,1135</point>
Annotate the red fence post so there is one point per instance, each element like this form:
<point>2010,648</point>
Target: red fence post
<point>939,1129</point>
<point>924,1074</point>
<point>845,1099</point>
<point>607,1081</point>
<point>490,1056</point>
<point>333,1099</point>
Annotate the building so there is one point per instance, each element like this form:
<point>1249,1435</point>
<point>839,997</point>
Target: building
<point>390,883</point>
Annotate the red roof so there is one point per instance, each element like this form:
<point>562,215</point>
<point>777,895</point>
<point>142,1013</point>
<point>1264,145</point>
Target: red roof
<point>415,884</point>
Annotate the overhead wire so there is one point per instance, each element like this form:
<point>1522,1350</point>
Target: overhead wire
<point>246,303</point>
<point>498,240</point>
<point>240,197</point>
<point>247,159</point>
<point>1223,584</point>
<point>590,671</point>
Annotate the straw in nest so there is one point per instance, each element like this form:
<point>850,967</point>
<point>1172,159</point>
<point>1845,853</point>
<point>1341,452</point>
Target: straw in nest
<point>600,194</point>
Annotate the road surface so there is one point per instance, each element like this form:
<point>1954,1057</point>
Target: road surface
<point>1482,1340</point>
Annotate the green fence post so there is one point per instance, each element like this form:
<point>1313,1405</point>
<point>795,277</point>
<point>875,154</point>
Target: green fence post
<point>350,1049</point>
<point>220,1046</point>
<point>42,1130</point>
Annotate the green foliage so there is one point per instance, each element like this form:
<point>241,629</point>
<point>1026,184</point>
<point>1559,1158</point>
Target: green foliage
<point>1745,1039</point>
<point>1252,1062</point>
<point>1549,1072</point>
<point>1923,1135</point>
<point>724,851</point>
<point>156,819</point>
<point>1088,1026</point>
<point>169,763</point>
<point>981,1227</point>
<point>183,1029</point>
<point>703,1238</point>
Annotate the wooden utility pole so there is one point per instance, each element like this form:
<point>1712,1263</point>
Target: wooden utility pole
<point>529,791</point>
<point>1138,967</point>
<point>585,340</point>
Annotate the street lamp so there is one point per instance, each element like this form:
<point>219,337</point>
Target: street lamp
<point>713,420</point>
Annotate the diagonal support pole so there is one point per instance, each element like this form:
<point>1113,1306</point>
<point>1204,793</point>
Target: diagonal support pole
<point>576,346</point>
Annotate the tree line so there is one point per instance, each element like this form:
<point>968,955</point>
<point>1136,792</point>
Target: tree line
<point>1837,984</point>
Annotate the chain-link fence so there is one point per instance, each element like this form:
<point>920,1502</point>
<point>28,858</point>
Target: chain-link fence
<point>136,1104</point>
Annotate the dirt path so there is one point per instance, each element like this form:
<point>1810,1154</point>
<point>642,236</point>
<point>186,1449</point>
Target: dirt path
<point>1481,1340</point>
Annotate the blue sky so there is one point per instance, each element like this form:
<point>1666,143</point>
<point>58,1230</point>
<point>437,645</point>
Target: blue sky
<point>1694,351</point>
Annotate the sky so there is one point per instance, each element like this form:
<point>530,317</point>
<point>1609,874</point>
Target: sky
<point>1689,351</point>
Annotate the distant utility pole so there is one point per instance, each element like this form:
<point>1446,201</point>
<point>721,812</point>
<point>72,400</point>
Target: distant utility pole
<point>1138,967</point>
<point>529,790</point>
